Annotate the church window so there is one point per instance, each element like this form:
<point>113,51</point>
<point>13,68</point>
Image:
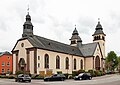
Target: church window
<point>38,57</point>
<point>103,37</point>
<point>74,64</point>
<point>22,45</point>
<point>67,63</point>
<point>46,61</point>
<point>57,62</point>
<point>38,65</point>
<point>81,64</point>
<point>96,37</point>
<point>73,42</point>
<point>99,37</point>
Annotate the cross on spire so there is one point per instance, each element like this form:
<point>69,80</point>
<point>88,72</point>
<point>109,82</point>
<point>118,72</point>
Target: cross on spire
<point>98,19</point>
<point>28,9</point>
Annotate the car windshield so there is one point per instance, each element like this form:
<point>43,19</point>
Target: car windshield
<point>80,74</point>
<point>26,75</point>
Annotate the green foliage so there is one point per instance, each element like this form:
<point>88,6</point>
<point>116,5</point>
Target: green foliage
<point>111,61</point>
<point>37,77</point>
<point>74,73</point>
<point>92,72</point>
<point>19,72</point>
<point>11,77</point>
<point>59,72</point>
<point>66,75</point>
<point>99,73</point>
<point>81,71</point>
<point>3,76</point>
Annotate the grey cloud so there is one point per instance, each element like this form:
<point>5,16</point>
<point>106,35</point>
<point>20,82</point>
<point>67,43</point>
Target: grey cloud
<point>3,26</point>
<point>86,24</point>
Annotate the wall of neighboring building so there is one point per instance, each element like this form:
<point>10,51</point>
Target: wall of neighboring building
<point>7,59</point>
<point>21,48</point>
<point>52,61</point>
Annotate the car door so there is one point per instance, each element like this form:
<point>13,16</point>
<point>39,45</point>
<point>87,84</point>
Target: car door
<point>54,77</point>
<point>84,77</point>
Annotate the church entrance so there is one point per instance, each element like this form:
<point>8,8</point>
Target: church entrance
<point>22,64</point>
<point>97,63</point>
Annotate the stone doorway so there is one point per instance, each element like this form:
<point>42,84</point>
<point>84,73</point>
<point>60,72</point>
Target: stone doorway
<point>22,64</point>
<point>97,63</point>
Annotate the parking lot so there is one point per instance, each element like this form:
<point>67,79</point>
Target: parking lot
<point>104,80</point>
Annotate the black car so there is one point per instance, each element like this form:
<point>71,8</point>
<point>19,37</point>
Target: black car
<point>22,78</point>
<point>55,77</point>
<point>83,76</point>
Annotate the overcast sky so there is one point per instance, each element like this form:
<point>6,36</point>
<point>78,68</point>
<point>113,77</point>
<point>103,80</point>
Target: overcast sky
<point>56,19</point>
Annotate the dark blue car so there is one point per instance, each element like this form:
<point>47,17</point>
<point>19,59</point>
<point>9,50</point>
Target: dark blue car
<point>83,76</point>
<point>55,77</point>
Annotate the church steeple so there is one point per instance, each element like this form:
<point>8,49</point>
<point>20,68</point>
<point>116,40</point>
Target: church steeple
<point>98,29</point>
<point>75,39</point>
<point>27,27</point>
<point>99,37</point>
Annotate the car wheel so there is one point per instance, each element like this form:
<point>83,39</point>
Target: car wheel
<point>80,78</point>
<point>90,78</point>
<point>29,80</point>
<point>15,80</point>
<point>62,79</point>
<point>47,79</point>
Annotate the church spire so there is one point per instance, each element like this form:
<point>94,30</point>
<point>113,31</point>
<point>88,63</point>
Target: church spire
<point>98,29</point>
<point>27,27</point>
<point>75,39</point>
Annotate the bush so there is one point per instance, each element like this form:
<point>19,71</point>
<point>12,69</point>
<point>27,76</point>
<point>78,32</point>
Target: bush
<point>59,72</point>
<point>19,72</point>
<point>99,73</point>
<point>92,72</point>
<point>74,73</point>
<point>37,77</point>
<point>80,71</point>
<point>11,77</point>
<point>66,75</point>
<point>3,76</point>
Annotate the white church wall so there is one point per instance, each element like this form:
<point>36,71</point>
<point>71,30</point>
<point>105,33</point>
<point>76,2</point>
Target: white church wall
<point>52,61</point>
<point>21,53</point>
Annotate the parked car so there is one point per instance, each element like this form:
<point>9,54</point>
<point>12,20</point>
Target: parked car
<point>83,76</point>
<point>22,78</point>
<point>55,77</point>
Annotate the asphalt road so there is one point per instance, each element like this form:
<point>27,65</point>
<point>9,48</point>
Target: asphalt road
<point>104,80</point>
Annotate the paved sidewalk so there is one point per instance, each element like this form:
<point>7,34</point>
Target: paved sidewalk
<point>105,76</point>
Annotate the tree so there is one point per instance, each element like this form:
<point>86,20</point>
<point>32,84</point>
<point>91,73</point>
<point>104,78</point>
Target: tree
<point>111,61</point>
<point>119,64</point>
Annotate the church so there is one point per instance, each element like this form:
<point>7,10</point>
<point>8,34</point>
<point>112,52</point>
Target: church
<point>39,55</point>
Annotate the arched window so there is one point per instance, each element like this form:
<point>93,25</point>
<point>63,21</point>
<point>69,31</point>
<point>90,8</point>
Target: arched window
<point>99,37</point>
<point>74,64</point>
<point>67,62</point>
<point>57,62</point>
<point>46,61</point>
<point>81,62</point>
<point>103,38</point>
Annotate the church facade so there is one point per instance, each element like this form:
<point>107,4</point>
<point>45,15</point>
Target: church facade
<point>39,55</point>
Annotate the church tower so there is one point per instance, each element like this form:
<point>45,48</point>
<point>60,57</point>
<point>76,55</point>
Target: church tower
<point>99,36</point>
<point>27,27</point>
<point>75,39</point>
